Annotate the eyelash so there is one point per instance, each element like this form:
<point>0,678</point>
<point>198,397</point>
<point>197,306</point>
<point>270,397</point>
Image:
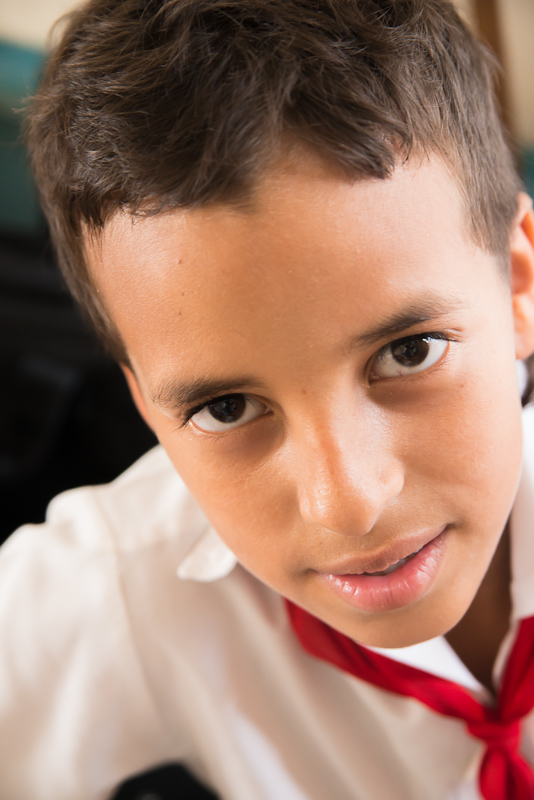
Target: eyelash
<point>190,412</point>
<point>418,337</point>
<point>436,335</point>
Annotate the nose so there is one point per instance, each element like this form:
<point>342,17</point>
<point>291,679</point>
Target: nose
<point>345,478</point>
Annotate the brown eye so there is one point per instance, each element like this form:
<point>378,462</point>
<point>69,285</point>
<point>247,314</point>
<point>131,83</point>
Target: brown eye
<point>229,408</point>
<point>410,352</point>
<point>227,412</point>
<point>408,356</point>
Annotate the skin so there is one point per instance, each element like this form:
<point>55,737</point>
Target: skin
<point>340,461</point>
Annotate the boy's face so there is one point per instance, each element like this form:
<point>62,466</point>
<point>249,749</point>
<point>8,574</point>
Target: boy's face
<point>358,352</point>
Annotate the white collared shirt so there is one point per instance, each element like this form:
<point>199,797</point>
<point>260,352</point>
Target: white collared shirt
<point>132,637</point>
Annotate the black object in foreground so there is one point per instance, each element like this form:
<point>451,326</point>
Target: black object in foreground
<point>165,783</point>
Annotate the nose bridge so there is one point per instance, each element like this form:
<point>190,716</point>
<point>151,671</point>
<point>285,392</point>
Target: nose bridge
<point>346,473</point>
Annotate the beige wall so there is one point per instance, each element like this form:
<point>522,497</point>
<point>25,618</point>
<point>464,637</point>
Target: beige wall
<point>517,27</point>
<point>466,8</point>
<point>517,18</point>
<point>28,21</point>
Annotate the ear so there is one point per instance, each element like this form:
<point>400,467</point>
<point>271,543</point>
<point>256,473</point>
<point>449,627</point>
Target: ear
<point>137,395</point>
<point>522,276</point>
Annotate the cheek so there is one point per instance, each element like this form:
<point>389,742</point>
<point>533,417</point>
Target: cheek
<point>247,503</point>
<point>473,444</point>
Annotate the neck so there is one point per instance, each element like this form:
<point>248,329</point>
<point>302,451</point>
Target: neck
<point>478,636</point>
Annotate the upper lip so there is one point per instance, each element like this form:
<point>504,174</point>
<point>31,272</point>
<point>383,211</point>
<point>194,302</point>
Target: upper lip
<point>385,557</point>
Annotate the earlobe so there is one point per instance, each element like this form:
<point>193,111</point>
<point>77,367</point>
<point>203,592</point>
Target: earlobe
<point>137,395</point>
<point>522,277</point>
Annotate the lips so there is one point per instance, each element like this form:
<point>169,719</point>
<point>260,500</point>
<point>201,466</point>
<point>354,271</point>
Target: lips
<point>388,556</point>
<point>393,567</point>
<point>394,578</point>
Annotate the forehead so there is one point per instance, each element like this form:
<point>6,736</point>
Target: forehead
<point>196,282</point>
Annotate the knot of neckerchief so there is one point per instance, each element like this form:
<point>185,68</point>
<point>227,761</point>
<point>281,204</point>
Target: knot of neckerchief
<point>504,774</point>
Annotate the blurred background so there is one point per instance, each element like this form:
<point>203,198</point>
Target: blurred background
<point>65,416</point>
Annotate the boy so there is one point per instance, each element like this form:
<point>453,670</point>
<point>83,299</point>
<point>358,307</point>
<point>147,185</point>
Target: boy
<point>297,226</point>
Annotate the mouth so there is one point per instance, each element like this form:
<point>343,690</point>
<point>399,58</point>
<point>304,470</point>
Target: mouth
<point>389,558</point>
<point>394,567</point>
<point>394,578</point>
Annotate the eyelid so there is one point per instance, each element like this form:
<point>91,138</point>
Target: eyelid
<point>441,335</point>
<point>190,413</point>
<point>435,335</point>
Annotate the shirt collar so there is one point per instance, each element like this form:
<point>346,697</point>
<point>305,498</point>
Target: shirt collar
<point>522,528</point>
<point>208,560</point>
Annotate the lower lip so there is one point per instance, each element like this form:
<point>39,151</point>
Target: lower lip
<point>376,593</point>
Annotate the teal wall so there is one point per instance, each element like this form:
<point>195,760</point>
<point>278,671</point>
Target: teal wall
<point>528,170</point>
<point>19,207</point>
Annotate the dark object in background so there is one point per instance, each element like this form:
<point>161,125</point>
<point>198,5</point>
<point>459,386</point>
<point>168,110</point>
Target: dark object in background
<point>66,417</point>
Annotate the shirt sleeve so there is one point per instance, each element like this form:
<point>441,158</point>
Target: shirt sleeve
<point>76,713</point>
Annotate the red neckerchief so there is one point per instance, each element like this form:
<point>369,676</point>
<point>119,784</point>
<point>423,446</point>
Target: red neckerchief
<point>504,774</point>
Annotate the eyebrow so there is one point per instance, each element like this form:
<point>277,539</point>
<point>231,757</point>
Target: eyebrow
<point>177,395</point>
<point>427,309</point>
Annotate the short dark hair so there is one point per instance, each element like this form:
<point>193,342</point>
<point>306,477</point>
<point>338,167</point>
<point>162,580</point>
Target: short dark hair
<point>150,105</point>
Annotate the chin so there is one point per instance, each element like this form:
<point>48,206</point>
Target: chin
<point>402,628</point>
